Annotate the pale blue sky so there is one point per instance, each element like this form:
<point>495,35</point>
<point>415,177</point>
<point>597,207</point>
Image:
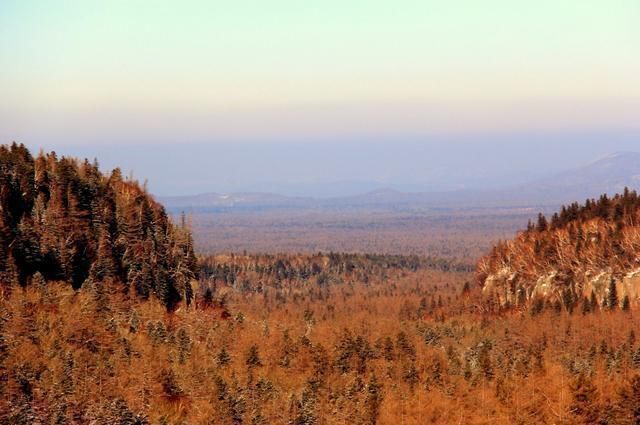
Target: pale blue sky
<point>88,73</point>
<point>220,66</point>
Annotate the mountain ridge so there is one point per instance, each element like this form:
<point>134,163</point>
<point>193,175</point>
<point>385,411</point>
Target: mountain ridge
<point>609,174</point>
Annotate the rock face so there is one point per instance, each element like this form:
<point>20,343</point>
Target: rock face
<point>544,287</point>
<point>508,290</point>
<point>578,253</point>
<point>630,286</point>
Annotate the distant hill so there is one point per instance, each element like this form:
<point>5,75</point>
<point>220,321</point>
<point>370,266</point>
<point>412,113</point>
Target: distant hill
<point>332,189</point>
<point>232,200</point>
<point>607,175</point>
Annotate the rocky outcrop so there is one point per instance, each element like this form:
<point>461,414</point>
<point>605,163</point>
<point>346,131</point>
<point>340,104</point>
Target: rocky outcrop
<point>505,287</point>
<point>580,251</point>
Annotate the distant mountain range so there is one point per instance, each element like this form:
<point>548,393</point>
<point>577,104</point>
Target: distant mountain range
<point>607,175</point>
<point>610,174</point>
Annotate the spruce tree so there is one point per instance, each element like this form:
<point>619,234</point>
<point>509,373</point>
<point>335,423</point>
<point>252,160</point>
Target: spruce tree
<point>593,301</point>
<point>223,357</point>
<point>626,304</point>
<point>584,405</point>
<point>612,295</point>
<point>586,305</point>
<point>103,267</point>
<point>253,357</point>
<point>373,400</point>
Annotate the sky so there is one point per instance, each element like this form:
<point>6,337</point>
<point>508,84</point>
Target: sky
<point>220,77</point>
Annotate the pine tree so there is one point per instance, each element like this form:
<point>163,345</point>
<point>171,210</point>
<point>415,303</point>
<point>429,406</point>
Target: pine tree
<point>584,400</point>
<point>288,350</point>
<point>307,407</point>
<point>586,306</point>
<point>170,386</point>
<point>11,271</point>
<point>4,244</point>
<point>630,400</point>
<point>38,281</point>
<point>542,223</point>
<point>184,345</point>
<point>626,304</point>
<point>26,250</point>
<point>373,400</point>
<point>593,301</point>
<point>410,374</point>
<point>103,267</point>
<point>612,295</point>
<point>253,358</point>
<point>67,376</point>
<point>568,300</point>
<point>223,357</point>
<point>388,352</point>
<point>405,346</point>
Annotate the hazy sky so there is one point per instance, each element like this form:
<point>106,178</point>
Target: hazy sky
<point>82,73</point>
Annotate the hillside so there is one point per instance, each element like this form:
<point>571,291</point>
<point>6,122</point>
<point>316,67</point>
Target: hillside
<point>585,253</point>
<point>63,220</point>
<point>96,325</point>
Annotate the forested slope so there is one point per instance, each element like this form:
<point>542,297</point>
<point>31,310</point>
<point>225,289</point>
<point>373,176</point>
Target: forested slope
<point>63,220</point>
<point>589,251</point>
<point>304,339</point>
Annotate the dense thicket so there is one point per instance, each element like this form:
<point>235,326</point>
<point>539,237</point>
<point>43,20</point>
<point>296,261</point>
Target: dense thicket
<point>571,247</point>
<point>63,220</point>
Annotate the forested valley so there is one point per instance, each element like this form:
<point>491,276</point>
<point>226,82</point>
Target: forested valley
<point>109,316</point>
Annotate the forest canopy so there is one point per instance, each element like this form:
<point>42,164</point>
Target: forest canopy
<point>61,219</point>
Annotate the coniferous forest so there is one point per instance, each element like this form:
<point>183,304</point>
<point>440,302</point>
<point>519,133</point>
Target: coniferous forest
<point>583,252</point>
<point>107,316</point>
<point>63,220</point>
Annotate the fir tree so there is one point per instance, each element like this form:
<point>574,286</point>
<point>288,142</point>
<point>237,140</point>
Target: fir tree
<point>626,304</point>
<point>612,295</point>
<point>593,301</point>
<point>253,358</point>
<point>584,404</point>
<point>223,357</point>
<point>373,400</point>
<point>586,305</point>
